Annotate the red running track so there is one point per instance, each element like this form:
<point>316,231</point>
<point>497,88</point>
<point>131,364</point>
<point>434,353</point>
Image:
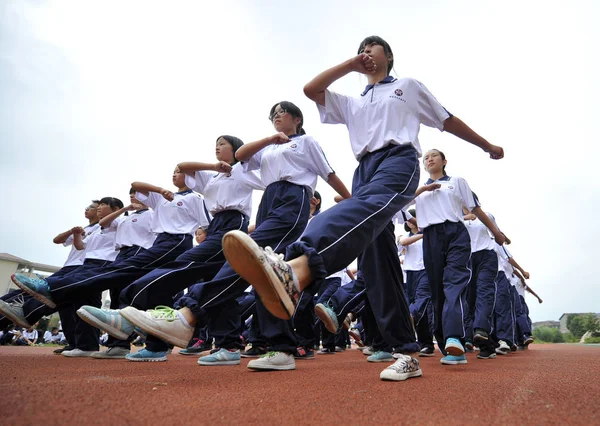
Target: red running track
<point>548,384</point>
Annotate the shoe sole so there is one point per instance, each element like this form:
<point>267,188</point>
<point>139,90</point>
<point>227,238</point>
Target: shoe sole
<point>15,319</point>
<point>158,359</point>
<point>453,362</point>
<point>528,341</point>
<point>32,293</point>
<point>502,352</point>
<point>139,321</point>
<point>322,314</point>
<point>382,360</point>
<point>273,367</point>
<point>252,356</point>
<point>491,356</point>
<point>92,320</point>
<point>246,258</point>
<point>395,377</point>
<point>356,337</point>
<point>455,350</point>
<point>77,356</point>
<point>201,353</point>
<point>424,355</point>
<point>109,357</point>
<point>217,363</point>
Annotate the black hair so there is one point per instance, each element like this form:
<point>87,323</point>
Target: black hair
<point>114,203</point>
<point>386,48</point>
<point>54,328</point>
<point>132,191</point>
<point>413,213</point>
<point>95,201</point>
<point>236,143</point>
<point>318,197</point>
<point>293,110</point>
<point>443,159</point>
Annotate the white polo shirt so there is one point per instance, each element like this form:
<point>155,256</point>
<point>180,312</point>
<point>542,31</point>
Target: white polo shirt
<point>503,263</point>
<point>445,204</point>
<point>481,238</point>
<point>136,230</point>
<point>413,257</point>
<point>390,112</point>
<point>517,284</point>
<point>298,161</point>
<point>101,244</point>
<point>76,257</point>
<point>226,191</point>
<point>183,215</point>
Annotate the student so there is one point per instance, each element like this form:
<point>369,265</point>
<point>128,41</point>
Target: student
<point>28,337</point>
<point>504,329</point>
<point>383,124</point>
<point>290,162</point>
<point>53,336</point>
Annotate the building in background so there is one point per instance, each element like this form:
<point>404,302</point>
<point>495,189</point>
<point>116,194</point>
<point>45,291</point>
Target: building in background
<point>10,264</point>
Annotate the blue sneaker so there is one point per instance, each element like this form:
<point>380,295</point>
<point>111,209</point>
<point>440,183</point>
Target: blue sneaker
<point>454,347</point>
<point>453,360</point>
<point>381,356</point>
<point>144,355</point>
<point>328,317</point>
<point>37,288</point>
<point>221,357</point>
<point>110,321</point>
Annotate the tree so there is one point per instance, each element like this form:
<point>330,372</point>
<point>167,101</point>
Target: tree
<point>580,324</point>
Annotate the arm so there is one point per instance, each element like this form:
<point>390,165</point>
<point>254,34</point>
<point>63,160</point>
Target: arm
<point>107,220</point>
<point>245,152</point>
<point>527,288</point>
<point>146,188</point>
<point>61,238</point>
<point>315,89</point>
<point>430,187</point>
<point>484,218</point>
<point>406,241</point>
<point>339,187</point>
<point>189,167</point>
<point>350,274</point>
<point>77,237</point>
<point>514,263</point>
<point>459,129</point>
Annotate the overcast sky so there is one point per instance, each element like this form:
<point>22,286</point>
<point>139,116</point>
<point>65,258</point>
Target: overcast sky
<point>95,95</point>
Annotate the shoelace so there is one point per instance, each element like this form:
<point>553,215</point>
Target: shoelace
<point>17,302</point>
<point>198,343</point>
<point>164,312</point>
<point>270,354</point>
<point>277,256</point>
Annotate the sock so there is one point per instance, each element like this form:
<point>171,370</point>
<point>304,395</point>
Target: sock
<point>183,320</point>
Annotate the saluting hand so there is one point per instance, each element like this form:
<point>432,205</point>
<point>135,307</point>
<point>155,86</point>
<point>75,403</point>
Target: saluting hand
<point>363,64</point>
<point>496,152</point>
<point>222,167</point>
<point>77,230</point>
<point>133,207</point>
<point>279,138</point>
<point>168,195</point>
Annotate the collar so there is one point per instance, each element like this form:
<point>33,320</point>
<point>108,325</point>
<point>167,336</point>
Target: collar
<point>187,191</point>
<point>388,79</point>
<point>443,178</point>
<point>140,211</point>
<point>294,136</point>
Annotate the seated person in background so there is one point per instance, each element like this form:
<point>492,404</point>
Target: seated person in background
<point>28,337</point>
<point>8,335</point>
<point>53,336</point>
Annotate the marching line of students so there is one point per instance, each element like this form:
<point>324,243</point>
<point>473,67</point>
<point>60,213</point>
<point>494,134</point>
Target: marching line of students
<point>458,278</point>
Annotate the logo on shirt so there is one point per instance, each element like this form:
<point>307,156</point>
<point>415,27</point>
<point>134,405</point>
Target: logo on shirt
<point>179,203</point>
<point>134,220</point>
<point>293,146</point>
<point>398,92</point>
<point>450,187</point>
<point>398,95</point>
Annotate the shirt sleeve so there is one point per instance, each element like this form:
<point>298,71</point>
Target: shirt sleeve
<point>466,194</point>
<point>431,112</point>
<point>317,160</point>
<point>336,109</point>
<point>198,210</point>
<point>251,178</point>
<point>254,162</point>
<point>199,181</point>
<point>69,241</point>
<point>152,200</point>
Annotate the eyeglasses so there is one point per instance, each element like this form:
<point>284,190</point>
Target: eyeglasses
<point>276,114</point>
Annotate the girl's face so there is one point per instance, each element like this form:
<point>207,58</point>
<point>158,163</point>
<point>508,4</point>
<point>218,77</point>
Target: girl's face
<point>200,235</point>
<point>104,210</point>
<point>284,122</point>
<point>178,178</point>
<point>224,151</point>
<point>433,162</point>
<point>91,211</point>
<point>414,229</point>
<point>377,53</point>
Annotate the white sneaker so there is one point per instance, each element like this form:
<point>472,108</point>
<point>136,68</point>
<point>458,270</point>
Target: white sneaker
<point>368,350</point>
<point>77,353</point>
<point>115,352</point>
<point>273,361</point>
<point>404,368</point>
<point>270,275</point>
<point>503,349</point>
<point>162,322</point>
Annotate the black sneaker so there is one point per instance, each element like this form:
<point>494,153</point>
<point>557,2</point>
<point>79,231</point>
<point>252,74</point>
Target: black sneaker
<point>513,348</point>
<point>63,349</point>
<point>480,336</point>
<point>198,347</point>
<point>253,352</point>
<point>527,340</point>
<point>327,351</point>
<point>427,351</point>
<point>304,353</point>
<point>486,354</point>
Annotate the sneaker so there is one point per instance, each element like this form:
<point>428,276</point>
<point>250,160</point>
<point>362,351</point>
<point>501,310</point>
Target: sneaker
<point>304,353</point>
<point>272,278</point>
<point>356,337</point>
<point>162,322</point>
<point>368,350</point>
<point>14,311</point>
<point>454,347</point>
<point>37,288</point>
<point>381,356</point>
<point>469,346</point>
<point>327,316</point>
<point>77,353</point>
<point>59,351</point>
<point>109,320</point>
<point>273,361</point>
<point>486,354</point>
<point>115,352</point>
<point>340,349</point>
<point>527,340</point>
<point>198,347</point>
<point>326,351</point>
<point>254,352</point>
<point>144,355</point>
<point>453,360</point>
<point>404,368</point>
<point>480,336</point>
<point>221,357</point>
<point>348,321</point>
<point>513,348</point>
<point>427,351</point>
<point>522,348</point>
<point>503,348</point>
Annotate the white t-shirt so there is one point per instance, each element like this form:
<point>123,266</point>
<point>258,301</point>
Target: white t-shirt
<point>517,284</point>
<point>413,257</point>
<point>503,263</point>
<point>183,215</point>
<point>445,204</point>
<point>136,230</point>
<point>49,337</point>
<point>391,112</point>
<point>31,335</point>
<point>298,161</point>
<point>481,238</point>
<point>76,257</point>
<point>226,191</point>
<point>100,244</point>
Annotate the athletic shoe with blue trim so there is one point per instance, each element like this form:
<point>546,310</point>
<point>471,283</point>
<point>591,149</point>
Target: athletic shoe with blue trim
<point>144,355</point>
<point>109,320</point>
<point>453,360</point>
<point>36,287</point>
<point>14,311</point>
<point>381,356</point>
<point>404,368</point>
<point>221,357</point>
<point>162,322</point>
<point>328,317</point>
<point>454,347</point>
